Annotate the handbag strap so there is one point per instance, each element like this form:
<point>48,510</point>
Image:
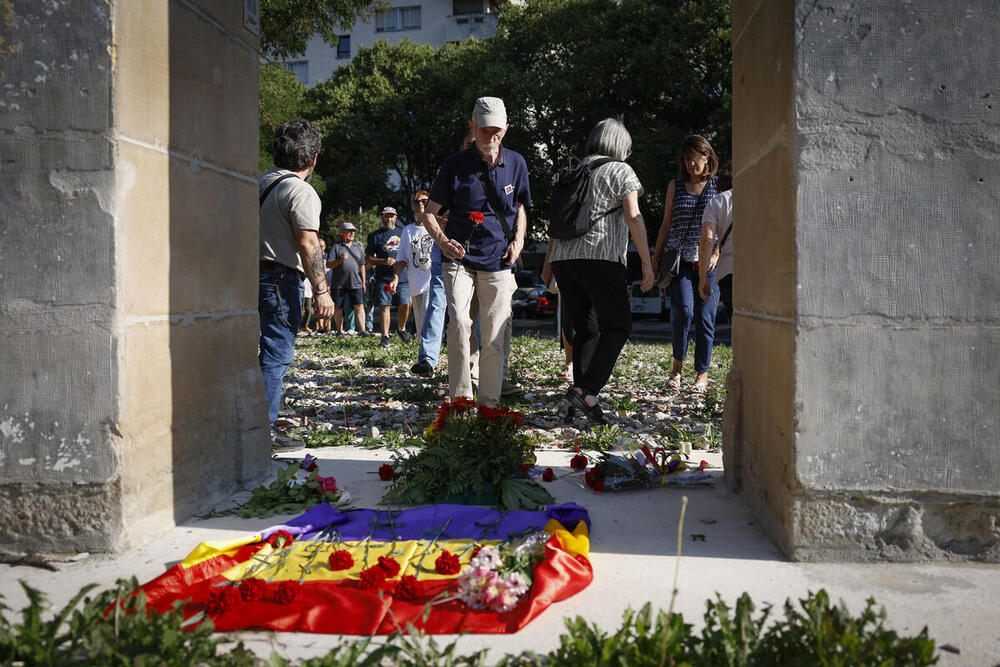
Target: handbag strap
<point>725,236</point>
<point>274,183</point>
<point>494,201</point>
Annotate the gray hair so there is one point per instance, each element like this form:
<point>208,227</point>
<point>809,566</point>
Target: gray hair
<point>609,137</point>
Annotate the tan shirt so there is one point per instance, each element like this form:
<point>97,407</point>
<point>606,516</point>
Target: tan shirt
<point>292,204</point>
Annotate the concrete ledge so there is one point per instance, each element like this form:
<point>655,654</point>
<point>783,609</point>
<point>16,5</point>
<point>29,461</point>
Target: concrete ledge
<point>860,526</point>
<point>60,517</point>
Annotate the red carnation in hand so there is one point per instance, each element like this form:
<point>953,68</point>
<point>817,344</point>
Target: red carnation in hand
<point>578,462</point>
<point>287,591</point>
<point>251,589</point>
<point>409,588</point>
<point>373,577</point>
<point>385,472</point>
<point>220,599</point>
<point>280,539</point>
<point>341,560</point>
<point>548,475</point>
<point>447,563</point>
<point>390,566</point>
<point>477,218</point>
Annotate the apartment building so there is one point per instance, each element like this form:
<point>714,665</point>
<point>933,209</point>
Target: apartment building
<point>432,22</point>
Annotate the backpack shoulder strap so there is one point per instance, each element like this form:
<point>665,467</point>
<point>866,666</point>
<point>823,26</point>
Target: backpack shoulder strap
<point>274,183</point>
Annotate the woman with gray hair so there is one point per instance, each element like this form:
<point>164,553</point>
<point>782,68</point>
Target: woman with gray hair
<point>591,268</point>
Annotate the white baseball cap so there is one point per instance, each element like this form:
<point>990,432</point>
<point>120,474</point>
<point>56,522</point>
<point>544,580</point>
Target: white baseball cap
<point>490,112</point>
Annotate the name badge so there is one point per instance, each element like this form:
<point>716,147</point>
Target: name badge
<point>509,189</point>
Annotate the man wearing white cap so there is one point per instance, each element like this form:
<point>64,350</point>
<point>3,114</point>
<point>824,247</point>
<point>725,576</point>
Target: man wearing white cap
<point>485,188</point>
<point>347,281</point>
<point>381,251</point>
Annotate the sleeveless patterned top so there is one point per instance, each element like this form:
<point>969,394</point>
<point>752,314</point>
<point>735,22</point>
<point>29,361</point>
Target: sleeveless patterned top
<point>685,225</point>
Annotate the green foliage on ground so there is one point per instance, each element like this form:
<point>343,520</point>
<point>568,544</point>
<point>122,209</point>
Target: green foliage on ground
<point>117,628</point>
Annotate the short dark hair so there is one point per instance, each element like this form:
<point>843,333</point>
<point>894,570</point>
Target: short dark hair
<point>695,143</point>
<point>295,144</point>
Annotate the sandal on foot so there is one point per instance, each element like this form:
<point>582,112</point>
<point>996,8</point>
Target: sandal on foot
<point>593,412</point>
<point>700,387</point>
<point>675,381</point>
<point>570,416</point>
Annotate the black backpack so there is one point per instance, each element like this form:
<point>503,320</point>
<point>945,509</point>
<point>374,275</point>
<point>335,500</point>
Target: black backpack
<point>570,214</point>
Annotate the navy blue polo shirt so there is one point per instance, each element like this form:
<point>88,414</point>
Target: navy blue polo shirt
<point>458,188</point>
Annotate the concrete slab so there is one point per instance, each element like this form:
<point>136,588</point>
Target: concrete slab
<point>634,546</point>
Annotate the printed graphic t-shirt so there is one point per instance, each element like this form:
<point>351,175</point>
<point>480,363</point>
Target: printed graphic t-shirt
<point>384,243</point>
<point>415,248</point>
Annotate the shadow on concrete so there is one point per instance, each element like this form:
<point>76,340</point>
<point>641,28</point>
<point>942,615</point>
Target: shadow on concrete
<point>717,524</point>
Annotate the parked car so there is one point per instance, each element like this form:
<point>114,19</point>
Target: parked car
<point>649,304</point>
<point>533,302</point>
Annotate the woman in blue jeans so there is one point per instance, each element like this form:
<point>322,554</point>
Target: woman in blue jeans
<point>680,233</point>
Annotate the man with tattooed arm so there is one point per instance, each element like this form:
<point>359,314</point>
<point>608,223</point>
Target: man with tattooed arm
<point>289,250</point>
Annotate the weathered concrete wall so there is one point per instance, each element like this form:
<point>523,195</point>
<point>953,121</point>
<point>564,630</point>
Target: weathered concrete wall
<point>59,400</point>
<point>128,248</point>
<point>887,443</point>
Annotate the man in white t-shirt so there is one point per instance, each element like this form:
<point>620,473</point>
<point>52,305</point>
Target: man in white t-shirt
<point>715,250</point>
<point>414,257</point>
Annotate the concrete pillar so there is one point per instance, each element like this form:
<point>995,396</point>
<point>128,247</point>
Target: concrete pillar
<point>863,417</point>
<point>131,396</point>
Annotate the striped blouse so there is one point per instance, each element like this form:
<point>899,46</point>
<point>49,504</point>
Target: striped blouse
<point>685,225</point>
<point>607,240</point>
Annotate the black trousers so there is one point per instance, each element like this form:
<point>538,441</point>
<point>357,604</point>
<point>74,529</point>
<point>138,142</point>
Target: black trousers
<point>726,294</point>
<point>597,297</point>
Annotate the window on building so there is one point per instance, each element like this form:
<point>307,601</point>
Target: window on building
<point>459,7</point>
<point>344,46</point>
<point>300,68</point>
<point>398,18</point>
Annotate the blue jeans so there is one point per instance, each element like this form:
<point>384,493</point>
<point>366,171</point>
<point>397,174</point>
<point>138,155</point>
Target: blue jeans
<point>279,303</point>
<point>433,329</point>
<point>687,307</point>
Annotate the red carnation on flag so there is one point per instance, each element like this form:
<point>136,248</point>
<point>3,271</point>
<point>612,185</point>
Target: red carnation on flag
<point>409,588</point>
<point>447,563</point>
<point>280,539</point>
<point>385,472</point>
<point>251,589</point>
<point>341,560</point>
<point>390,566</point>
<point>287,591</point>
<point>373,577</point>
<point>220,599</point>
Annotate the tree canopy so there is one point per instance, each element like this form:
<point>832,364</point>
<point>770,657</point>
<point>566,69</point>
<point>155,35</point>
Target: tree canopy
<point>392,114</point>
<point>286,25</point>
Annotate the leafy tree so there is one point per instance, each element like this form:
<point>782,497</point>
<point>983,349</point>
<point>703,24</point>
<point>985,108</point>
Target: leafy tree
<point>390,117</point>
<point>570,70</point>
<point>286,25</point>
<point>396,111</point>
<point>282,98</point>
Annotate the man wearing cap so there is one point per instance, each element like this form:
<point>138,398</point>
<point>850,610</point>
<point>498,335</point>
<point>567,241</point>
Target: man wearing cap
<point>289,249</point>
<point>480,244</point>
<point>346,259</point>
<point>381,251</point>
